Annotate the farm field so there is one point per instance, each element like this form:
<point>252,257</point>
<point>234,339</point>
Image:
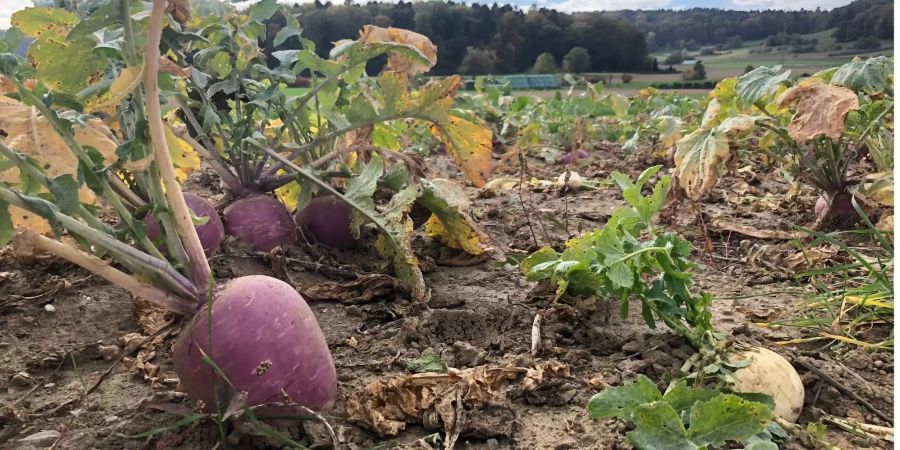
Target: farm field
<point>194,255</point>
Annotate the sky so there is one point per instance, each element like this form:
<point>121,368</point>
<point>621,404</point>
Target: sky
<point>7,7</point>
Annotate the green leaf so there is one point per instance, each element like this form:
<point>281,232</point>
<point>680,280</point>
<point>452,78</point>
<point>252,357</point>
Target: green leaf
<point>44,22</point>
<point>682,397</point>
<point>361,188</point>
<point>727,418</point>
<point>397,245</point>
<point>872,76</point>
<point>760,83</point>
<point>761,445</point>
<point>65,66</point>
<point>263,10</point>
<point>428,362</point>
<point>658,426</point>
<point>65,191</point>
<point>6,226</point>
<point>622,401</point>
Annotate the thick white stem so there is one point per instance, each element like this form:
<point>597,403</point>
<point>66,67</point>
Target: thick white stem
<point>198,263</point>
<point>102,268</point>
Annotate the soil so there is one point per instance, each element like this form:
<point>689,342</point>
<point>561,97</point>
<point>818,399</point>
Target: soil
<point>57,326</point>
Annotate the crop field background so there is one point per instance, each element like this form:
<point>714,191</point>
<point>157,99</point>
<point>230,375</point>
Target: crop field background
<point>233,227</point>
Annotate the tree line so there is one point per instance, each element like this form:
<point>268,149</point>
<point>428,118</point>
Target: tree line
<point>697,27</point>
<point>475,38</point>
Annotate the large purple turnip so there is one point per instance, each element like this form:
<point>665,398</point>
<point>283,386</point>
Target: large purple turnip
<point>267,343</point>
<point>210,233</point>
<point>327,219</point>
<point>841,205</point>
<point>262,222</point>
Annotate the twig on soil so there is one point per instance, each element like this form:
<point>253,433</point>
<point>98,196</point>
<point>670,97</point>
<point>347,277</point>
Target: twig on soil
<point>522,200</point>
<point>843,389</point>
<point>870,431</point>
<point>536,335</point>
<point>19,400</point>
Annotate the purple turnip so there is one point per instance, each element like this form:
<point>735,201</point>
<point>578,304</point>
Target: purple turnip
<point>210,233</point>
<point>267,343</point>
<point>841,205</point>
<point>327,219</point>
<point>579,155</point>
<point>262,222</point>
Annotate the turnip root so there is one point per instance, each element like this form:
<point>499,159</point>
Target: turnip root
<point>262,222</point>
<point>573,184</point>
<point>267,343</point>
<point>210,233</point>
<point>841,205</point>
<point>327,219</point>
<point>769,373</point>
<point>579,155</point>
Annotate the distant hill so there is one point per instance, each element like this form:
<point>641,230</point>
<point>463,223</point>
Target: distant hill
<point>698,27</point>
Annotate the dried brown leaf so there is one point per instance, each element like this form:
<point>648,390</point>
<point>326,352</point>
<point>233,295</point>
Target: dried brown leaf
<point>821,109</point>
<point>364,289</point>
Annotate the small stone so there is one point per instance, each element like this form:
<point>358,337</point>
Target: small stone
<point>49,385</point>
<point>93,406</point>
<point>42,437</point>
<point>492,444</point>
<point>4,344</point>
<point>28,320</point>
<point>49,308</point>
<point>521,282</point>
<point>467,354</point>
<point>21,379</point>
<point>879,363</point>
<point>108,352</point>
<point>111,419</point>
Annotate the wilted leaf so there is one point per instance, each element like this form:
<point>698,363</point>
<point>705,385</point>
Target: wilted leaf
<point>470,146</point>
<point>821,109</point>
<point>760,82</point>
<point>872,76</point>
<point>397,246</point>
<point>359,189</point>
<point>26,132</point>
<point>44,22</point>
<point>128,79</point>
<point>448,221</point>
<point>371,34</point>
<point>619,104</point>
<point>697,159</point>
<point>878,187</point>
<point>184,157</point>
<point>364,289</point>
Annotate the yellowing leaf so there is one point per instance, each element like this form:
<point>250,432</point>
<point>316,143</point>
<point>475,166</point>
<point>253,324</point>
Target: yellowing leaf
<point>821,109</point>
<point>184,158</point>
<point>470,146</point>
<point>128,79</point>
<point>29,133</point>
<point>372,34</point>
<point>44,22</point>
<point>879,187</point>
<point>697,159</point>
<point>619,104</point>
<point>449,222</point>
<point>288,194</point>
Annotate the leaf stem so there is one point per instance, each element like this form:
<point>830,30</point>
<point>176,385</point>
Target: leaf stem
<point>102,268</point>
<point>197,261</point>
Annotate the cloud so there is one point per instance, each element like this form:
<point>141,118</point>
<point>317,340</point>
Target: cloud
<point>7,7</point>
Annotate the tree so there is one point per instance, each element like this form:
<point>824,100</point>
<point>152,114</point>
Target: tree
<point>867,43</point>
<point>697,72</point>
<point>577,60</point>
<point>478,62</point>
<point>545,63</point>
<point>654,66</point>
<point>674,58</point>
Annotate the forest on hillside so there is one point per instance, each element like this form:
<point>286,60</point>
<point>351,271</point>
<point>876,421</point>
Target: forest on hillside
<point>671,29</point>
<point>476,38</point>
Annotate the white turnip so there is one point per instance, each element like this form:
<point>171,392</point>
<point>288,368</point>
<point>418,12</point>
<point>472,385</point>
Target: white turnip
<point>267,343</point>
<point>260,221</point>
<point>210,233</point>
<point>327,219</point>
<point>769,373</point>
